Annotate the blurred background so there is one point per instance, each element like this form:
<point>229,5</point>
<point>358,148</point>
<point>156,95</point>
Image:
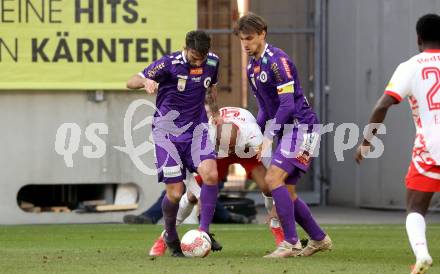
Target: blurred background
<point>68,98</point>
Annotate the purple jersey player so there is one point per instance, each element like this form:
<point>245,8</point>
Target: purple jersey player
<point>274,82</point>
<point>180,133</point>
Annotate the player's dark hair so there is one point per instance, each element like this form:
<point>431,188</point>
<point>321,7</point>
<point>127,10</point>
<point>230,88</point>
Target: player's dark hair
<point>428,28</point>
<point>199,41</point>
<point>250,23</point>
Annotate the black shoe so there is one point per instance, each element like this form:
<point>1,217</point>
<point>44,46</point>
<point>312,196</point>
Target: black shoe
<point>137,219</point>
<point>215,246</point>
<point>174,247</point>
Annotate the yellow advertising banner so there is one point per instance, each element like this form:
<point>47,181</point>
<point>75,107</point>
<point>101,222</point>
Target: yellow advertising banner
<point>87,44</point>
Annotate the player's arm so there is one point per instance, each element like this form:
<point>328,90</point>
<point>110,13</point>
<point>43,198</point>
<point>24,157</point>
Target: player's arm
<point>377,116</point>
<point>211,96</point>
<point>137,82</point>
<point>151,76</point>
<point>398,88</point>
<point>261,118</point>
<point>211,100</point>
<point>281,71</point>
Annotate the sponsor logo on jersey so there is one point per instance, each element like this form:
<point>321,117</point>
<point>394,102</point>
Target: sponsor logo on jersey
<point>154,70</point>
<point>276,72</point>
<point>211,62</point>
<point>196,71</point>
<point>172,171</point>
<point>257,69</point>
<point>196,79</point>
<point>286,67</point>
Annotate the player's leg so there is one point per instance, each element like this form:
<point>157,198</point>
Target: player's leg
<point>275,177</point>
<point>208,195</point>
<point>171,172</point>
<point>170,206</point>
<point>186,206</point>
<point>417,206</point>
<point>258,172</point>
<point>319,241</point>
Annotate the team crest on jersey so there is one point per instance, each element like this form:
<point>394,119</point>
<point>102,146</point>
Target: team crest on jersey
<point>263,77</point>
<point>181,82</point>
<point>207,82</point>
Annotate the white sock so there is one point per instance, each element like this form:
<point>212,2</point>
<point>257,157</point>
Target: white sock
<point>185,209</point>
<point>268,203</point>
<point>416,228</point>
<point>274,223</point>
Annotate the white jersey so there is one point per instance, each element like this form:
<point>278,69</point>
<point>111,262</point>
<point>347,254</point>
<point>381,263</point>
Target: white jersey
<point>419,80</point>
<point>249,133</point>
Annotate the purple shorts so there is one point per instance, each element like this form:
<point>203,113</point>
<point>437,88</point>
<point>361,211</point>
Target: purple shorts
<point>293,154</point>
<point>174,158</point>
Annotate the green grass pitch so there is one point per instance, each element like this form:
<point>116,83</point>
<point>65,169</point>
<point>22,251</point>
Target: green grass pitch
<point>112,248</point>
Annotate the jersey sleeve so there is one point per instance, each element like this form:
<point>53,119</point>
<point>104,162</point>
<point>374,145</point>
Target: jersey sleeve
<point>158,70</point>
<point>217,66</point>
<point>400,84</point>
<point>282,70</point>
<point>213,61</point>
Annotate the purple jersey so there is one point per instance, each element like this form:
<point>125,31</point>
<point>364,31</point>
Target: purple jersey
<point>275,84</point>
<point>182,88</point>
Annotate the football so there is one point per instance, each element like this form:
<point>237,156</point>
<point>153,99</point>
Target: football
<point>195,243</point>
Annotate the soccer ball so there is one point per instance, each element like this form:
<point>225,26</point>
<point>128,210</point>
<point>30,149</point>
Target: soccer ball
<point>195,243</point>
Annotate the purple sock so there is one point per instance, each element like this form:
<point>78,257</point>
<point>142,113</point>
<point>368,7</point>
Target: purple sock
<point>284,206</point>
<point>208,199</point>
<point>304,218</point>
<point>169,210</point>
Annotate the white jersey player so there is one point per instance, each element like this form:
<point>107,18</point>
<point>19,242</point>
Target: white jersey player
<point>418,79</point>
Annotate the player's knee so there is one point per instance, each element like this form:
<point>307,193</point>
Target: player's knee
<point>211,177</point>
<point>272,181</point>
<point>191,198</point>
<point>174,195</point>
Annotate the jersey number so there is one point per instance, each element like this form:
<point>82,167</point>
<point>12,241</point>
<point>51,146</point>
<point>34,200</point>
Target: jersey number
<point>434,88</point>
<point>229,113</point>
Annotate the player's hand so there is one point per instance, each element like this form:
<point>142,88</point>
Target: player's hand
<point>361,151</point>
<point>265,147</point>
<point>150,86</point>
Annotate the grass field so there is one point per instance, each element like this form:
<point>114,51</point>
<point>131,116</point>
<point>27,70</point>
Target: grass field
<point>122,249</point>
